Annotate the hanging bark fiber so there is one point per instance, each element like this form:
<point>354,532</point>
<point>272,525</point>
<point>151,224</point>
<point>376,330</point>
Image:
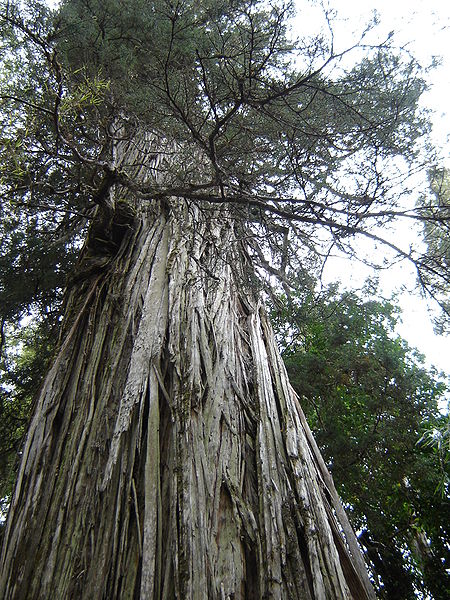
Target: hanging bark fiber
<point>168,456</point>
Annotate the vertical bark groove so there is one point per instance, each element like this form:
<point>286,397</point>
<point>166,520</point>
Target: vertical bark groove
<point>168,456</point>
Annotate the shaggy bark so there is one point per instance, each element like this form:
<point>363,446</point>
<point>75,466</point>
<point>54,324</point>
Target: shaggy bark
<point>168,456</point>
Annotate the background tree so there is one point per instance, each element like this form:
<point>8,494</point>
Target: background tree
<point>369,400</point>
<point>436,234</point>
<point>167,455</point>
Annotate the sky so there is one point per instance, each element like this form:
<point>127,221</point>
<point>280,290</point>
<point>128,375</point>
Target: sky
<point>424,26</point>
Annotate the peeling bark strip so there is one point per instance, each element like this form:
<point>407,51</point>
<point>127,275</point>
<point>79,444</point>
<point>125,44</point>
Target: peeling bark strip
<point>168,456</point>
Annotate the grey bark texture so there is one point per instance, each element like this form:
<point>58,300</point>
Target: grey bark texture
<point>168,456</point>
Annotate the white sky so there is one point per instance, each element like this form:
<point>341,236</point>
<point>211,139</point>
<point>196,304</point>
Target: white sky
<point>425,26</point>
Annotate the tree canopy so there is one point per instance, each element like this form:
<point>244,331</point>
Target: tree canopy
<point>308,153</point>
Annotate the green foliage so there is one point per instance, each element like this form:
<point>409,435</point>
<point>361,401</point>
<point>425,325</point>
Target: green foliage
<point>369,401</point>
<point>22,365</point>
<point>438,438</point>
<point>36,252</point>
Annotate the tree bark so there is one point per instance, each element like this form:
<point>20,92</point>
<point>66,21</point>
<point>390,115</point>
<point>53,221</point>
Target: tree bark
<point>168,456</point>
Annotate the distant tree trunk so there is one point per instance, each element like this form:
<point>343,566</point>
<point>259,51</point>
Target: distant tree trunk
<point>396,581</point>
<point>168,456</point>
<point>434,572</point>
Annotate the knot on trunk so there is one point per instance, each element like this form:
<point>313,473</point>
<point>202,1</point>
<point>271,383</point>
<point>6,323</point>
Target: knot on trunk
<point>108,230</point>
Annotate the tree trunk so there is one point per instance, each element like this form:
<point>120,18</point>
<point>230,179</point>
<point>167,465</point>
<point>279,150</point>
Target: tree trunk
<point>434,573</point>
<point>397,581</point>
<point>168,456</point>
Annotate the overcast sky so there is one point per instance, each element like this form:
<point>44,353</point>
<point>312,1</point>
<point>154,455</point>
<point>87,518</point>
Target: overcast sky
<point>424,26</point>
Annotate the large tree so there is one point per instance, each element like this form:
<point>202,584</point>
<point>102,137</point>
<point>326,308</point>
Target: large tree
<point>168,455</point>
